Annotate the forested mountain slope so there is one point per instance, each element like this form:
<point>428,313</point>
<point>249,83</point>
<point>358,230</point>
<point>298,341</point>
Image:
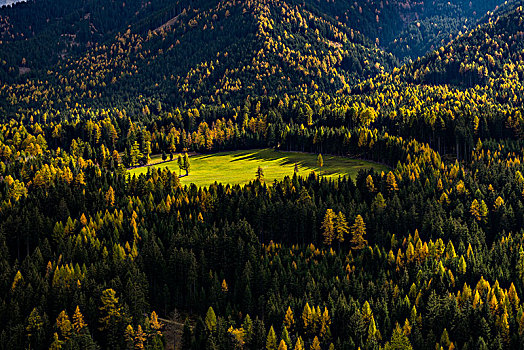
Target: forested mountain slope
<point>409,28</point>
<point>248,48</point>
<point>467,89</point>
<point>427,254</point>
<point>40,33</point>
<point>58,28</point>
<point>432,24</point>
<point>492,53</point>
<point>243,48</point>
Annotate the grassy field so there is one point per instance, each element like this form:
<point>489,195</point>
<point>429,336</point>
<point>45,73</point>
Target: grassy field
<point>239,167</point>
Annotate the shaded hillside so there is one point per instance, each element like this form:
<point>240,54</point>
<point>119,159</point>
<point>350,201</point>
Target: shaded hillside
<point>409,28</point>
<point>244,48</point>
<point>39,34</point>
<point>490,53</point>
<point>431,24</point>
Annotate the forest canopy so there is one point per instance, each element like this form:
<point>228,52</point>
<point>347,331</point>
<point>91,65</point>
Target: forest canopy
<point>427,254</point>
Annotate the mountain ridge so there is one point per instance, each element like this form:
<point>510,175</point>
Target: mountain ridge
<point>264,47</point>
<point>252,48</point>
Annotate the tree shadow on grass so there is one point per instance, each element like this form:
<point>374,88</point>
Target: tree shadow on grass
<point>304,161</point>
<point>212,155</point>
<point>270,155</point>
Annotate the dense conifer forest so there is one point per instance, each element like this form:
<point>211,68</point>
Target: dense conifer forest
<point>426,255</point>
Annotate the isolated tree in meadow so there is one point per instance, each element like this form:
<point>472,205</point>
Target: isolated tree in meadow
<point>358,230</point>
<point>320,162</point>
<point>180,162</point>
<point>183,163</point>
<point>259,175</point>
<point>187,164</point>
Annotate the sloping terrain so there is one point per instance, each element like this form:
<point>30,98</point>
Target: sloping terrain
<point>409,29</point>
<point>244,48</point>
<point>424,251</point>
<point>491,52</point>
<point>40,34</point>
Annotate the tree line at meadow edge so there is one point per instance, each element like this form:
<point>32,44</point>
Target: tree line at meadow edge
<point>441,242</point>
<point>426,255</point>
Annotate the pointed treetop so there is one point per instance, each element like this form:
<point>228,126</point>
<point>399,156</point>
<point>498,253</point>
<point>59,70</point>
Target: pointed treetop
<point>211,320</point>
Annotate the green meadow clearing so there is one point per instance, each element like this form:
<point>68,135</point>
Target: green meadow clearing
<point>239,167</point>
